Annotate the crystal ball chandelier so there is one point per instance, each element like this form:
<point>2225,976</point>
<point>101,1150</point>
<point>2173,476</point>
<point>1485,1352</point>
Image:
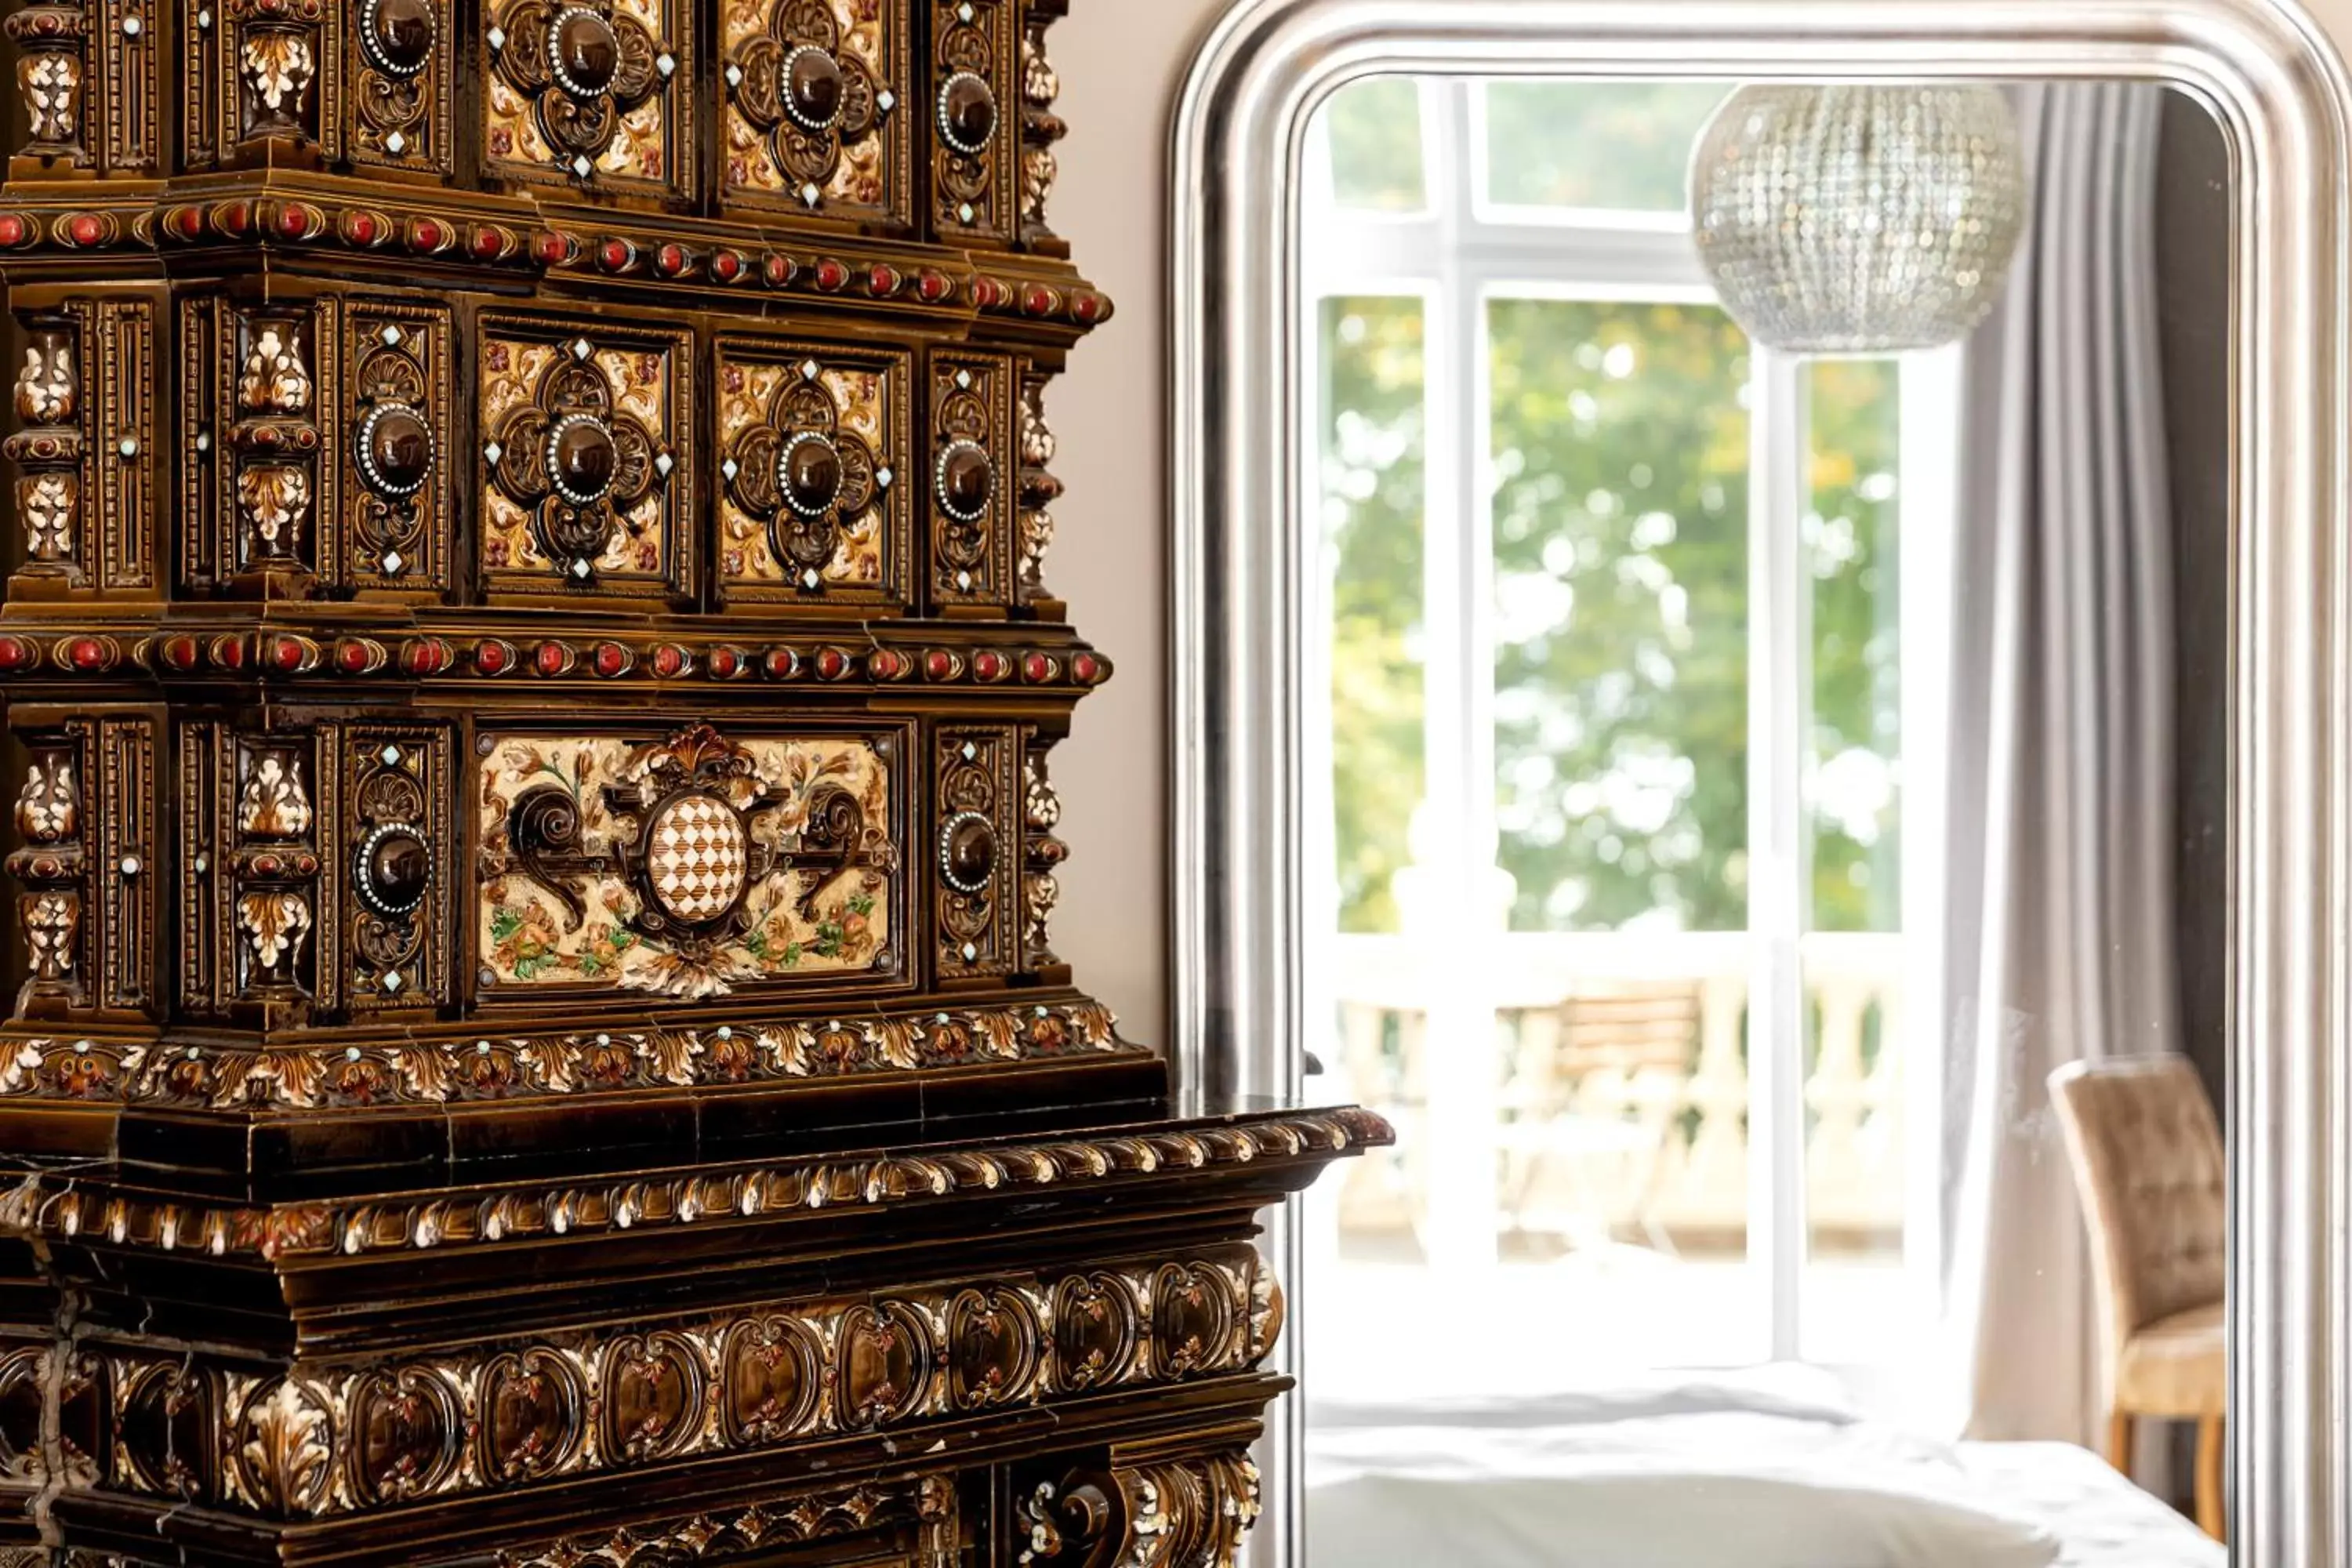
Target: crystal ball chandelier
<point>1856,218</point>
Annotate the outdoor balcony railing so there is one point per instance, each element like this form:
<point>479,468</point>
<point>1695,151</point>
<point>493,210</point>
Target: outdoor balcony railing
<point>1613,1103</point>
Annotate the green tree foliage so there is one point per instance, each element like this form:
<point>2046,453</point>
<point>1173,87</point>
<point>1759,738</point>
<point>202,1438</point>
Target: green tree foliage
<point>1619,518</point>
<point>1373,486</point>
<point>1620,453</point>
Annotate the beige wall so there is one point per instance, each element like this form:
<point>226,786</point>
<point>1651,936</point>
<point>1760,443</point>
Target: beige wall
<point>1121,63</point>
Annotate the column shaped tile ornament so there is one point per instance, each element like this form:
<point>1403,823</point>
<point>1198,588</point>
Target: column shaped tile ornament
<point>281,66</point>
<point>49,447</point>
<point>87,821</point>
<point>1041,855</point>
<point>53,82</point>
<point>1039,491</point>
<point>1041,128</point>
<point>85,405</point>
<point>274,830</point>
<point>275,442</point>
<point>51,870</point>
<point>86,85</point>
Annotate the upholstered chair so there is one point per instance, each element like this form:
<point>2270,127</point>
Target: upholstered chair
<point>2147,1154</point>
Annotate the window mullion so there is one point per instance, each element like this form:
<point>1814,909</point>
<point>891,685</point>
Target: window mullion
<point>1779,719</point>
<point>1456,839</point>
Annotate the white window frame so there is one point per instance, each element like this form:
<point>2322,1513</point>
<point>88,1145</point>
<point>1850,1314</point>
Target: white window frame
<point>1455,253</point>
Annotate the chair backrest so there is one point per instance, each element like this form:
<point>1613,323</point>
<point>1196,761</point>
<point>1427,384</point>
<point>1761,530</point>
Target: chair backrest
<point>2146,1153</point>
<point>1629,1027</point>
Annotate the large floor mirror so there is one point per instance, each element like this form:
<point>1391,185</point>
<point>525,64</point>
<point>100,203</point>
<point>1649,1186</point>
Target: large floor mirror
<point>1756,745</point>
<point>1770,806</point>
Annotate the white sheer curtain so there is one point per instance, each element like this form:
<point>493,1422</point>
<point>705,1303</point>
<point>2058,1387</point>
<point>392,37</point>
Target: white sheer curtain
<point>2061,939</point>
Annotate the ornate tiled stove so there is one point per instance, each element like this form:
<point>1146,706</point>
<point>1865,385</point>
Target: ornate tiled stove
<point>529,687</point>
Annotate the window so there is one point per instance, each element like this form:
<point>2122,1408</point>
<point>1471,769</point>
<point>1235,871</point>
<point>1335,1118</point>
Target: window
<point>1633,988</point>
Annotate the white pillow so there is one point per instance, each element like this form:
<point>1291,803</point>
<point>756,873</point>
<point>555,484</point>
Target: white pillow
<point>1654,1520</point>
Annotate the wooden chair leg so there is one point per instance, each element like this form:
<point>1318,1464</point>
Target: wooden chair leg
<point>2119,1441</point>
<point>2209,1478</point>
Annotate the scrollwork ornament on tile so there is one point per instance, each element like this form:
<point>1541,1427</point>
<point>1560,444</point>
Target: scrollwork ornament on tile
<point>813,100</point>
<point>802,475</point>
<point>965,114</point>
<point>394,451</point>
<point>396,40</point>
<point>1191,1512</point>
<point>688,865</point>
<point>580,76</point>
<point>581,461</point>
<point>965,483</point>
<point>972,790</point>
<point>395,812</point>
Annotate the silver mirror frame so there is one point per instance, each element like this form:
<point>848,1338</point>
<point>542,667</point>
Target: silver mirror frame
<point>2280,93</point>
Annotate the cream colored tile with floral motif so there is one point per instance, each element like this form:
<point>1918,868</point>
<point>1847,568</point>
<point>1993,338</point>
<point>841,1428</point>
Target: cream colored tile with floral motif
<point>577,890</point>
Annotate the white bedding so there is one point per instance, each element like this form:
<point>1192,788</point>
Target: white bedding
<point>1755,1471</point>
